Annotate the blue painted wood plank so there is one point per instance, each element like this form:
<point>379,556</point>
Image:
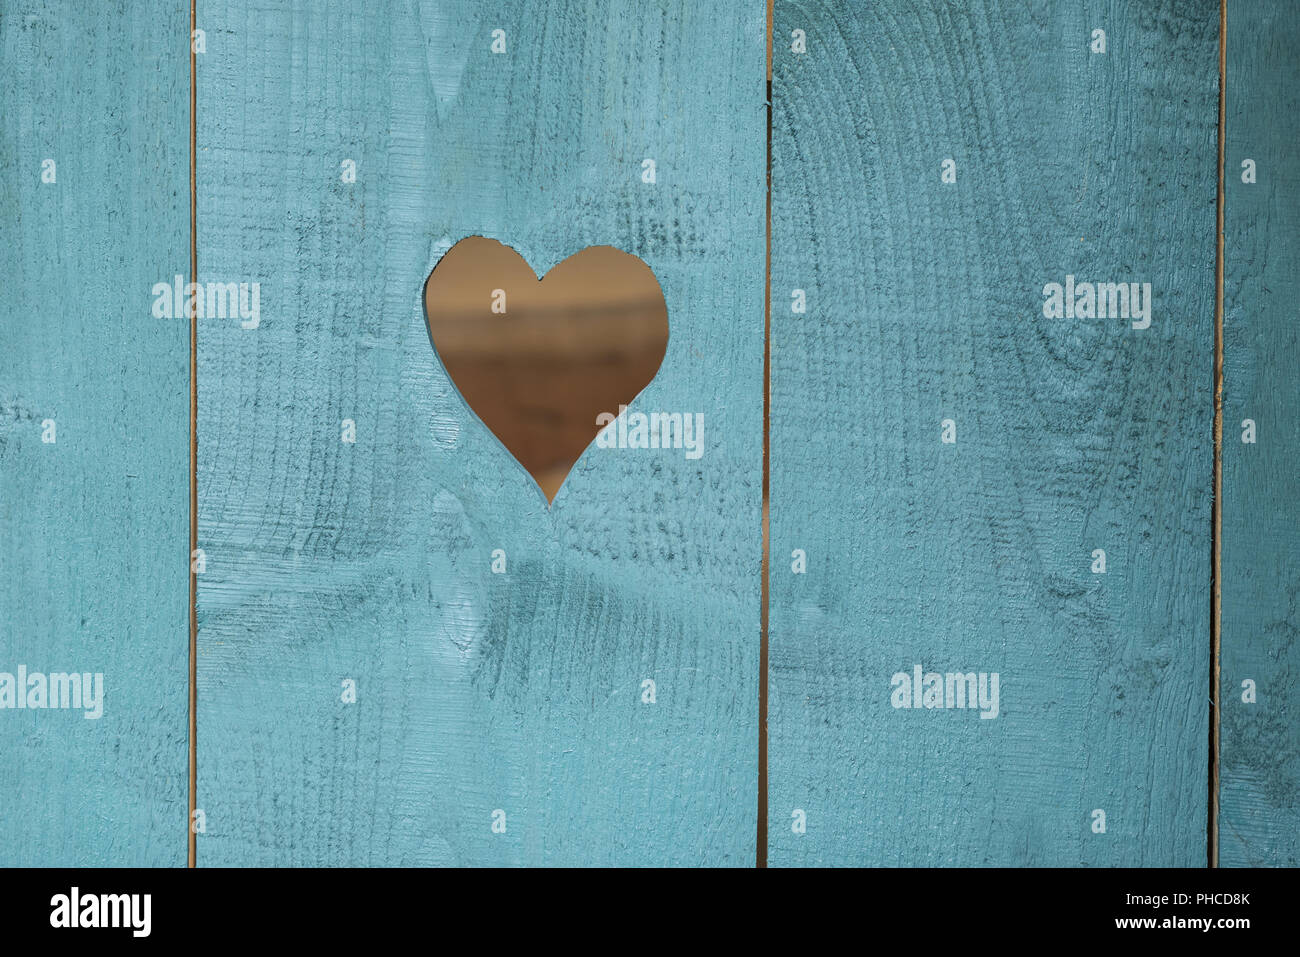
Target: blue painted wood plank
<point>94,433</point>
<point>1259,797</point>
<point>925,303</point>
<point>477,693</point>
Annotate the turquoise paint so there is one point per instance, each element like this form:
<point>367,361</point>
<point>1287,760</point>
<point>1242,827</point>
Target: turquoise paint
<point>924,304</point>
<point>476,692</point>
<point>523,691</point>
<point>94,527</point>
<point>1259,821</point>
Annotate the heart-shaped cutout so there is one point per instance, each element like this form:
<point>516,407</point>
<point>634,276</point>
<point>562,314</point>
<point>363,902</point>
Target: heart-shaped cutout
<point>539,360</point>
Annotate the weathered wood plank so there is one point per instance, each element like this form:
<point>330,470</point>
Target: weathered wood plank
<point>924,304</point>
<point>1259,819</point>
<point>476,692</point>
<point>94,431</point>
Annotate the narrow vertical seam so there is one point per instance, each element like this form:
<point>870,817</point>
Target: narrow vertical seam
<point>191,837</point>
<point>1216,534</point>
<point>761,843</point>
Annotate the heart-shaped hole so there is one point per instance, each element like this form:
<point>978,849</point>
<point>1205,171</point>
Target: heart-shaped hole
<point>539,360</point>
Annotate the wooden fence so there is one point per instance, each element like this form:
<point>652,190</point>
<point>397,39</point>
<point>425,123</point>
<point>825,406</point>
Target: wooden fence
<point>1004,618</point>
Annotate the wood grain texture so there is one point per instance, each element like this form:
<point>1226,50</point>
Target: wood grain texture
<point>925,303</point>
<point>326,561</point>
<point>93,526</point>
<point>1259,820</point>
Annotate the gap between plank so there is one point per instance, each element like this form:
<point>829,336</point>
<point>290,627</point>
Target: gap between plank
<point>191,838</point>
<point>1216,507</point>
<point>761,843</point>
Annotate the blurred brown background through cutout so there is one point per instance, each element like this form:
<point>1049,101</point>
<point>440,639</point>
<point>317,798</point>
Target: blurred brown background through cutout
<point>538,361</point>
